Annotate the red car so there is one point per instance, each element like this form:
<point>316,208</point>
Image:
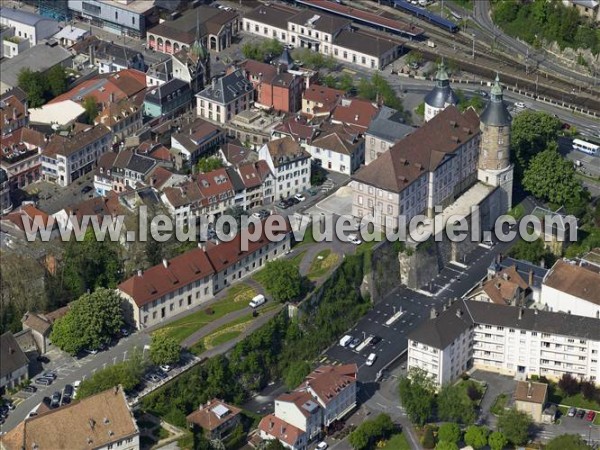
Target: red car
<point>590,416</point>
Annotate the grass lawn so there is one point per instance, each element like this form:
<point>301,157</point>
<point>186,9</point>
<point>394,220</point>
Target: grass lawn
<point>499,404</point>
<point>308,237</point>
<point>237,298</point>
<point>261,276</point>
<point>228,331</point>
<point>397,442</point>
<point>322,263</point>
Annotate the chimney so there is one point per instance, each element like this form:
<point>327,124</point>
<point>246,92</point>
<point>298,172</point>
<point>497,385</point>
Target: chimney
<point>356,118</point>
<point>530,277</point>
<point>459,312</point>
<point>140,273</point>
<point>165,263</point>
<point>433,313</point>
<point>92,423</point>
<point>520,313</point>
<point>529,390</point>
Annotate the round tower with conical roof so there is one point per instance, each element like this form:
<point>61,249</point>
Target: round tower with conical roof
<point>441,96</point>
<point>494,167</point>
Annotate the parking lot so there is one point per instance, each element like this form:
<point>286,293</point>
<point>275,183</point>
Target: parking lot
<point>393,342</point>
<point>52,198</point>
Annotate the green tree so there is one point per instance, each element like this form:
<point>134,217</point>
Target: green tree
<point>497,440</point>
<point>253,51</point>
<point>449,432</point>
<point>370,431</point>
<point>154,252</point>
<point>414,57</point>
<point>127,374</point>
<point>273,46</point>
<point>274,445</point>
<point>567,441</point>
<point>209,164</point>
<point>90,104</point>
<point>35,85</point>
<point>90,263</point>
<point>454,405</point>
<point>90,322</point>
<point>428,439</point>
<point>552,178</point>
<point>476,437</point>
<point>445,445</point>
<point>329,80</point>
<point>418,395</point>
<point>531,133</point>
<point>529,251</point>
<point>57,80</point>
<point>296,373</point>
<point>164,350</point>
<point>346,82</point>
<point>515,425</point>
<point>283,280</point>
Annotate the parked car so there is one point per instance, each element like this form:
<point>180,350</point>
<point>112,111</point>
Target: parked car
<point>371,359</point>
<point>354,343</point>
<point>300,197</point>
<point>283,204</point>
<point>31,389</point>
<point>50,375</point>
<point>43,381</point>
<point>91,351</point>
<point>354,239</point>
<point>293,201</point>
<point>263,213</point>
<point>124,332</point>
<point>590,416</point>
<point>483,93</point>
<point>580,413</point>
<point>68,391</point>
<point>86,189</point>
<point>55,400</point>
<point>520,105</point>
<point>375,340</point>
<point>322,445</point>
<point>165,368</point>
<point>572,411</point>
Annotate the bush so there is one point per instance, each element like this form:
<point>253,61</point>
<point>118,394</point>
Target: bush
<point>569,385</point>
<point>449,432</point>
<point>473,393</point>
<point>428,439</point>
<point>589,391</point>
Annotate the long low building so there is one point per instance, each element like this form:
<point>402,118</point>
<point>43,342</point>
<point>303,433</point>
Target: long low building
<point>505,339</point>
<point>323,33</point>
<point>193,278</point>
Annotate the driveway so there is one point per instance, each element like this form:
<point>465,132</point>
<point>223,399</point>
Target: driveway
<point>496,385</point>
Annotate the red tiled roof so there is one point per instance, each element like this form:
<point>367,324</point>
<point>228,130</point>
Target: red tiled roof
<point>297,128</point>
<point>159,176</point>
<point>159,280</point>
<point>298,398</point>
<point>28,213</point>
<point>280,429</point>
<point>328,381</point>
<point>323,95</point>
<point>355,112</point>
<point>206,418</point>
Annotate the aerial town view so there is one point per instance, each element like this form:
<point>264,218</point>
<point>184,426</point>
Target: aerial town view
<point>299,224</point>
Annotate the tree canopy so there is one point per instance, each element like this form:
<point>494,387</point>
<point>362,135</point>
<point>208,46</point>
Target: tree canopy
<point>283,280</point>
<point>454,405</point>
<point>164,350</point>
<point>551,177</point>
<point>296,373</point>
<point>209,164</point>
<point>567,441</point>
<point>445,445</point>
<point>476,437</point>
<point>90,104</point>
<point>497,441</point>
<point>370,431</point>
<point>515,425</point>
<point>127,374</point>
<point>259,52</point>
<point>418,395</point>
<point>90,322</point>
<point>449,432</point>
<point>531,133</point>
<point>41,87</point>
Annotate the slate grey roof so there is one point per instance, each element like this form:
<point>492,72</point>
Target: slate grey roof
<point>495,113</point>
<point>447,326</point>
<point>23,17</point>
<point>442,94</point>
<point>389,125</point>
<point>523,268</point>
<point>235,179</point>
<point>12,357</point>
<point>228,88</point>
<point>159,94</point>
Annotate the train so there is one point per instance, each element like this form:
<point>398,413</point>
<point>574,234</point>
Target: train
<point>423,14</point>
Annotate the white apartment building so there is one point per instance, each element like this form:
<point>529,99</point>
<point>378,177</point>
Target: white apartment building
<point>27,25</point>
<point>225,98</point>
<point>66,158</point>
<point>301,410</point>
<point>572,288</point>
<point>505,339</point>
<point>386,129</point>
<point>338,148</point>
<point>193,278</point>
<point>289,163</point>
<point>432,166</point>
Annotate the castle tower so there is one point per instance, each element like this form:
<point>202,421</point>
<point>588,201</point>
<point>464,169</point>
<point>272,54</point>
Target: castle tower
<point>494,166</point>
<point>441,96</point>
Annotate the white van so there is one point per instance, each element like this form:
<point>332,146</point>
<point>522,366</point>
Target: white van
<point>257,301</point>
<point>371,359</point>
<point>345,340</point>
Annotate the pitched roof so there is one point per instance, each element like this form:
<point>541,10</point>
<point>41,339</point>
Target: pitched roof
<point>297,128</point>
<point>581,281</point>
<point>249,175</point>
<point>101,207</point>
<point>356,112</point>
<point>280,429</point>
<point>66,146</point>
<point>303,401</point>
<point>212,415</point>
<point>503,287</point>
<point>389,125</point>
<point>338,138</point>
<point>95,421</point>
<point>423,150</point>
<point>326,96</point>
<point>327,381</point>
<point>159,176</point>
<point>24,17</point>
<point>320,21</point>
<point>284,150</point>
<point>530,391</point>
<point>36,322</point>
<point>12,357</point>
<point>227,88</point>
<point>28,213</point>
<point>366,43</point>
<point>162,279</point>
<point>12,110</point>
<point>235,153</point>
<point>196,133</point>
<point>273,14</point>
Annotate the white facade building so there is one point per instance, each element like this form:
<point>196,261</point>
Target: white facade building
<point>505,339</point>
<point>573,289</point>
<point>27,25</point>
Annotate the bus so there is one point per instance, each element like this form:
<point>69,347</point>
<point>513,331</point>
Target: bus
<point>586,147</point>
